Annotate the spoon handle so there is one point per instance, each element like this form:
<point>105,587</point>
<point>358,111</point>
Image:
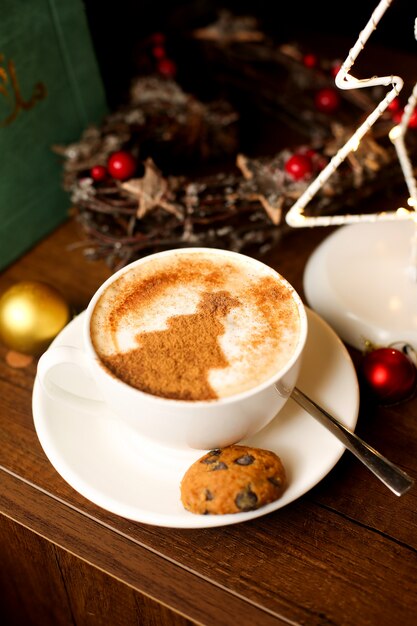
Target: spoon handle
<point>392,476</point>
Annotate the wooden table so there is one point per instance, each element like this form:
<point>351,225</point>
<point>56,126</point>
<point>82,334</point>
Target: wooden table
<point>343,554</point>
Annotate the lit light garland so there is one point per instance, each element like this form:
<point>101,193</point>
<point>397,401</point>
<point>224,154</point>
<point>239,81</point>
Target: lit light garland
<point>295,216</point>
<point>397,135</point>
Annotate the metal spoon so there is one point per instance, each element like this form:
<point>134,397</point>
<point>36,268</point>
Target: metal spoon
<point>392,476</point>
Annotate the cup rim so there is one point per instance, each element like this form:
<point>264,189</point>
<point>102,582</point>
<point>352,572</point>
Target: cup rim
<point>200,403</point>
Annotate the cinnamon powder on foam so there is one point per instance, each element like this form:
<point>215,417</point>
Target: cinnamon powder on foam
<point>176,362</point>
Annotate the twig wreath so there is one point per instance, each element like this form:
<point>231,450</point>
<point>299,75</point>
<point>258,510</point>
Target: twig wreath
<point>123,178</point>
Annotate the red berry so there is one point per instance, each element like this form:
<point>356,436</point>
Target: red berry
<point>158,52</point>
<point>398,115</point>
<point>299,166</point>
<point>309,152</point>
<point>121,165</point>
<point>321,163</point>
<point>167,68</point>
<point>158,39</point>
<point>310,60</point>
<point>98,173</point>
<point>412,122</point>
<point>318,162</point>
<point>394,105</point>
<point>327,100</point>
<point>335,69</point>
<point>389,374</point>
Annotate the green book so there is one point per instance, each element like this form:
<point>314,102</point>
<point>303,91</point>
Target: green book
<point>50,90</point>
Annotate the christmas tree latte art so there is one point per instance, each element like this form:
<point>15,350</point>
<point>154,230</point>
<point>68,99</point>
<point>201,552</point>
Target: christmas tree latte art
<point>196,326</point>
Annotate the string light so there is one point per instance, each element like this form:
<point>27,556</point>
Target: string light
<point>295,216</point>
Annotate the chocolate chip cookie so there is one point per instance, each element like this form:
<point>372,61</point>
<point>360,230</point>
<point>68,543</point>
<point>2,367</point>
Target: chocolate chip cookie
<point>233,479</point>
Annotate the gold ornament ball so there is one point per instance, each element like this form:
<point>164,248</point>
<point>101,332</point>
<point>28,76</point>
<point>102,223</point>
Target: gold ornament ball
<point>32,313</point>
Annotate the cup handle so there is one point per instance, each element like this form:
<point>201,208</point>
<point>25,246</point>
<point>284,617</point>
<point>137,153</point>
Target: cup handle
<point>60,355</point>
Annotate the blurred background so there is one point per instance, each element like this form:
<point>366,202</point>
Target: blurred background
<point>117,29</point>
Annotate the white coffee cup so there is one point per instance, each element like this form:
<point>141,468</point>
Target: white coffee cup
<point>182,424</point>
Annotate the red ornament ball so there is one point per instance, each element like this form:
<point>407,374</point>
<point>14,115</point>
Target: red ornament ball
<point>98,173</point>
<point>327,100</point>
<point>389,374</point>
<point>121,165</point>
<point>299,166</point>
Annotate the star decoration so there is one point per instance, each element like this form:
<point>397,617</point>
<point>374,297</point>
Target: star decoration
<point>152,191</point>
<point>295,216</point>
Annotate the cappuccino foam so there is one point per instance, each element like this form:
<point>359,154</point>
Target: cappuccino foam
<point>195,325</point>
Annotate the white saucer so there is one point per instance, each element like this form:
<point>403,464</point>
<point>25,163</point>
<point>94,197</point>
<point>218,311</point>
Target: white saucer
<point>362,281</point>
<point>122,474</point>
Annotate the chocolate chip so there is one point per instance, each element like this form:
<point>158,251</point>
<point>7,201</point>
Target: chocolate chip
<point>219,465</point>
<point>246,459</point>
<point>211,457</point>
<point>275,480</point>
<point>209,495</point>
<point>246,500</point>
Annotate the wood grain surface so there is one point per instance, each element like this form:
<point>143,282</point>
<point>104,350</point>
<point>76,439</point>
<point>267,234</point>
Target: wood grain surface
<point>344,554</point>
